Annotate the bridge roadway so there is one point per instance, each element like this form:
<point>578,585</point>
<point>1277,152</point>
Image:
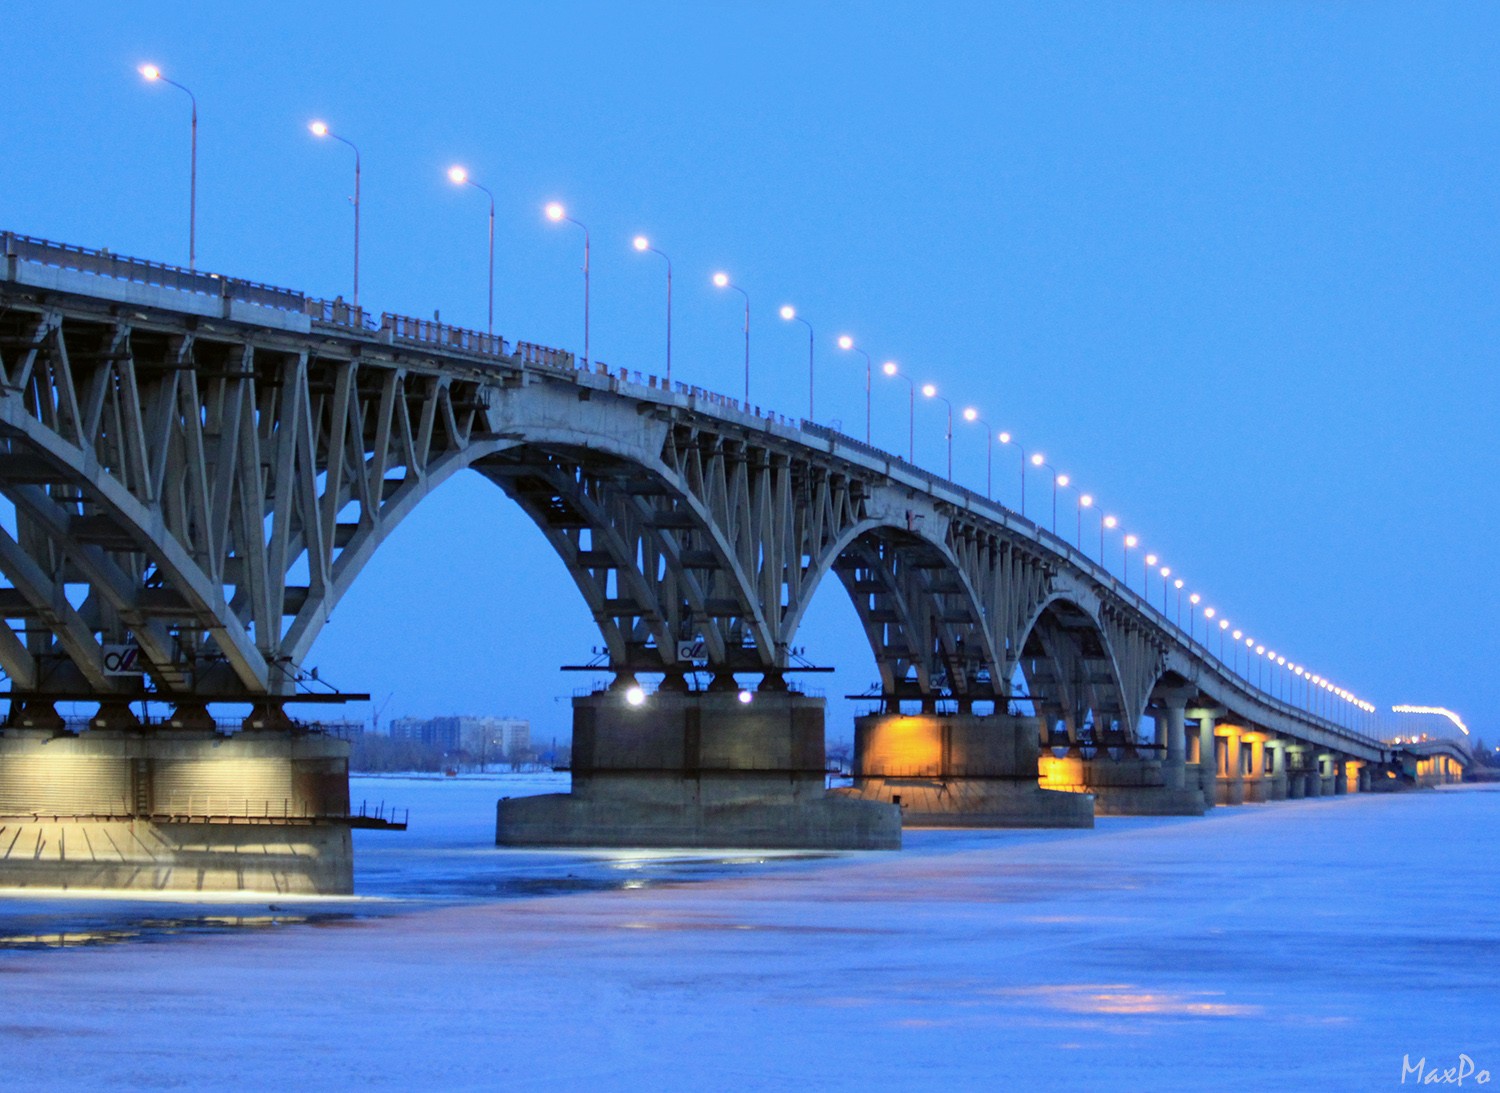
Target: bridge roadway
<point>200,467</point>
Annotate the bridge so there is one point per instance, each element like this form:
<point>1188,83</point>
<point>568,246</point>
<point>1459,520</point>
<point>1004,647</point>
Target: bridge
<point>200,467</point>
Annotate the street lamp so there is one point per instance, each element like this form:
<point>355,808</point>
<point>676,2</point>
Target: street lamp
<point>1194,600</point>
<point>1105,522</point>
<point>722,281</point>
<point>320,129</point>
<point>890,369</point>
<point>643,244</point>
<point>1085,500</point>
<point>972,414</point>
<point>1223,626</point>
<point>789,313</point>
<point>1166,571</point>
<point>1038,460</point>
<point>1130,541</point>
<point>1177,584</point>
<point>846,342</point>
<point>556,213</point>
<point>1147,566</point>
<point>153,74</point>
<point>460,177</point>
<point>1006,438</point>
<point>931,392</point>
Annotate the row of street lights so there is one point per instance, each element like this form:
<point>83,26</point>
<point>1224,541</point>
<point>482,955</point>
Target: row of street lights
<point>1317,691</point>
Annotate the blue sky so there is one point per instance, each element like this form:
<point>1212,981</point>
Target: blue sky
<point>1231,265</point>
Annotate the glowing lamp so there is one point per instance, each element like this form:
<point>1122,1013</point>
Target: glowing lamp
<point>458,175</point>
<point>555,211</point>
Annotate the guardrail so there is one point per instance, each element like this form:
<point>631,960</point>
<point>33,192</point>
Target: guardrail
<point>104,263</point>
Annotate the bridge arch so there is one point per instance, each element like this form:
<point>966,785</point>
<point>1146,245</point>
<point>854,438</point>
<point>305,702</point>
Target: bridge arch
<point>1072,677</point>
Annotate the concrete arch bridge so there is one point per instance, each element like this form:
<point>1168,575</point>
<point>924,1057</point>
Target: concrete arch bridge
<point>199,468</point>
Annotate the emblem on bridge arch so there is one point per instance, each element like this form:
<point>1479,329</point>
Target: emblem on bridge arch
<point>123,660</point>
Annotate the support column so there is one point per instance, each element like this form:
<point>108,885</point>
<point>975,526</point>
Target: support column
<point>1208,756</point>
<point>1256,783</point>
<point>1340,782</point>
<point>1176,763</point>
<point>1278,787</point>
<point>1232,783</point>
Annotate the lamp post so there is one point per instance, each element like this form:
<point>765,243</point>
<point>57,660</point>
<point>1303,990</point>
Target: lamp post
<point>1166,571</point>
<point>643,244</point>
<point>931,392</point>
<point>320,129</point>
<point>153,74</point>
<point>890,369</point>
<point>1147,565</point>
<point>1105,522</point>
<point>722,281</point>
<point>1177,584</point>
<point>1193,600</point>
<point>460,177</point>
<point>972,414</point>
<point>846,342</point>
<point>556,213</point>
<point>1085,500</point>
<point>1130,541</point>
<point>1038,460</point>
<point>789,313</point>
<point>1006,438</point>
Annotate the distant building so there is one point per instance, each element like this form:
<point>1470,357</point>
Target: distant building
<point>486,739</point>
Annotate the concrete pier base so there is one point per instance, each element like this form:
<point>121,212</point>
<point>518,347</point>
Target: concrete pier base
<point>1138,787</point>
<point>960,770</point>
<point>699,769</point>
<point>175,809</point>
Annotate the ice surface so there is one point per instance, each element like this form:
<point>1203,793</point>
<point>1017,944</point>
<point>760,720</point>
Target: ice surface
<point>1301,945</point>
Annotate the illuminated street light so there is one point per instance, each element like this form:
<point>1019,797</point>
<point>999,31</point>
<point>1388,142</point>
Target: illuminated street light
<point>1147,566</point>
<point>1038,460</point>
<point>890,369</point>
<point>931,392</point>
<point>1085,500</point>
<point>460,177</point>
<point>643,245</point>
<point>1006,438</point>
<point>847,343</point>
<point>153,74</point>
<point>634,696</point>
<point>972,414</point>
<point>320,129</point>
<point>1130,542</point>
<point>789,313</point>
<point>556,213</point>
<point>1105,522</point>
<point>722,281</point>
<point>1177,584</point>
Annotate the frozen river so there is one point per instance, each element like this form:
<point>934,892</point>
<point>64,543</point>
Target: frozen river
<point>1300,945</point>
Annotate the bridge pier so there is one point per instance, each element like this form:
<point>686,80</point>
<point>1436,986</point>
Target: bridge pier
<point>699,769</point>
<point>960,770</point>
<point>1207,755</point>
<point>161,808</point>
<point>1231,782</point>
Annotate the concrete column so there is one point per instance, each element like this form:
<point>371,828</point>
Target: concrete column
<point>1208,760</point>
<point>1340,779</point>
<point>1234,783</point>
<point>1364,778</point>
<point>1278,789</point>
<point>1314,787</point>
<point>1176,761</point>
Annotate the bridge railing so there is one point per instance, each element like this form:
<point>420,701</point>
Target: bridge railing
<point>104,263</point>
<point>431,332</point>
<point>338,313</point>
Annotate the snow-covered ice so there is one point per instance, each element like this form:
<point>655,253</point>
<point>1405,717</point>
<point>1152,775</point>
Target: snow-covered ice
<point>1287,946</point>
